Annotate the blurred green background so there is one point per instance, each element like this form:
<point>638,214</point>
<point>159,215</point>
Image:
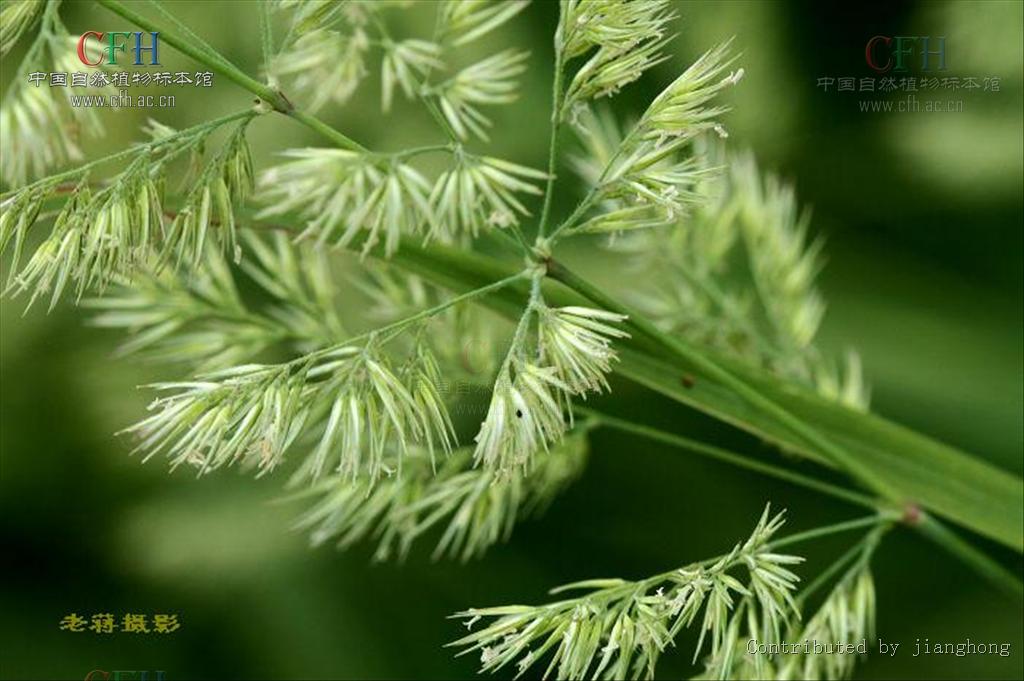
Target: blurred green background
<point>923,215</point>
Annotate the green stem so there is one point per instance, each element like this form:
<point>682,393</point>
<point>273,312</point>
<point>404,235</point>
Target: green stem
<point>845,526</point>
<point>187,32</point>
<point>557,97</point>
<point>709,367</point>
<point>317,125</point>
<point>522,325</point>
<point>860,554</point>
<point>275,99</point>
<point>428,149</point>
<point>816,533</point>
<point>729,457</point>
<point>217,62</point>
<point>927,525</point>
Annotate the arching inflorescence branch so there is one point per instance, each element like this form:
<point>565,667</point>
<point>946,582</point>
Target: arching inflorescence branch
<point>113,228</point>
<point>618,629</point>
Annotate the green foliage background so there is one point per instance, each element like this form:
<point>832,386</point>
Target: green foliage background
<point>923,215</point>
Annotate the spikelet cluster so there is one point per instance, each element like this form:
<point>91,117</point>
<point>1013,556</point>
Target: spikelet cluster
<point>463,21</point>
<point>649,177</point>
<point>325,52</point>
<point>345,194</point>
<point>251,414</point>
<point>531,404</point>
<point>105,232</point>
<point>845,618</point>
<point>488,82</point>
<point>197,319</point>
<point>17,17</point>
<point>628,37</point>
<point>351,198</point>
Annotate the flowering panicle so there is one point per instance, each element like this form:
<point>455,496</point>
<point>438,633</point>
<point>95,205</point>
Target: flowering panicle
<point>488,82</point>
<point>629,37</point>
<point>344,194</point>
<point>475,507</point>
<point>463,21</point>
<point>480,192</point>
<point>618,629</point>
<point>362,420</point>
